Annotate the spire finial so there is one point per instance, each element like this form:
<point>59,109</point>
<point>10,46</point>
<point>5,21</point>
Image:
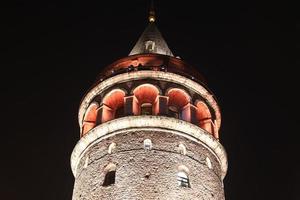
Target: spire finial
<point>151,13</point>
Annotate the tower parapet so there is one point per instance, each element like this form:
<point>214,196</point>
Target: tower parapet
<point>149,130</point>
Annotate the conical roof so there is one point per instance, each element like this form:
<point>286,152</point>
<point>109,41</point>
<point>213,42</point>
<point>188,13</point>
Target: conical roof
<point>151,41</point>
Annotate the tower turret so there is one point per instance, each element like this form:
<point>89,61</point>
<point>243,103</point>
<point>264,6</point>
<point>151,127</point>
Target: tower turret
<point>149,130</point>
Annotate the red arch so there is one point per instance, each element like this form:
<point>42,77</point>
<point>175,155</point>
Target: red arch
<point>90,118</point>
<point>114,99</point>
<point>202,111</point>
<point>178,98</point>
<point>146,93</point>
<point>178,104</point>
<point>204,117</point>
<point>111,103</point>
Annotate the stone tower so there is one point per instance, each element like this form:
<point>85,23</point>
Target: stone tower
<point>149,130</point>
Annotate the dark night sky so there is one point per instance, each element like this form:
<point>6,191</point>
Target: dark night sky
<point>53,52</point>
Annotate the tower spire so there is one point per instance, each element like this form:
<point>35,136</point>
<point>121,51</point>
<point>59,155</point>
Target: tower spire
<point>151,40</point>
<point>152,17</point>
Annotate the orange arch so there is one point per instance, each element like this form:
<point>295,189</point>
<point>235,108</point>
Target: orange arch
<point>111,103</point>
<point>146,93</point>
<point>114,99</point>
<point>90,118</point>
<point>178,98</point>
<point>204,117</point>
<point>202,111</point>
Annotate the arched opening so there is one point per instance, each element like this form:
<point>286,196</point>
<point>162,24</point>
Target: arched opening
<point>182,176</point>
<point>90,118</point>
<point>111,148</point>
<point>113,105</point>
<point>146,99</point>
<point>147,144</point>
<point>146,109</point>
<point>149,46</point>
<point>110,175</point>
<point>173,111</point>
<point>178,99</point>
<point>182,149</point>
<point>204,117</point>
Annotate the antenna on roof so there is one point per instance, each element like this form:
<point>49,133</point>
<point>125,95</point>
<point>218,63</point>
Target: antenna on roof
<point>152,12</point>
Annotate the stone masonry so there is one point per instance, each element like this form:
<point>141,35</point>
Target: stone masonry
<point>148,174</point>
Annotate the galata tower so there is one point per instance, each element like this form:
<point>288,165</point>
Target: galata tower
<point>149,130</point>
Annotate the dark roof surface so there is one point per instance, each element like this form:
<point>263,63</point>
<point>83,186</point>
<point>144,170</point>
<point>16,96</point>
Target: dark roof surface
<point>151,33</point>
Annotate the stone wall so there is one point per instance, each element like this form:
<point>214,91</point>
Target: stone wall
<point>148,174</point>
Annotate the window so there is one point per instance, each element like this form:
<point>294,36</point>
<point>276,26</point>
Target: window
<point>147,144</point>
<point>150,45</point>
<point>146,109</point>
<point>90,118</point>
<point>110,175</point>
<point>145,99</point>
<point>178,99</point>
<point>173,112</point>
<point>204,117</point>
<point>113,104</point>
<point>183,179</point>
<point>182,149</point>
<point>111,147</point>
<point>109,178</point>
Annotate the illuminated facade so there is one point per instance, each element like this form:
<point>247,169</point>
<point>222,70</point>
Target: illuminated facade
<point>149,130</point>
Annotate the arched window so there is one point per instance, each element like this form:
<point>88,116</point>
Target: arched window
<point>110,175</point>
<point>146,99</point>
<point>113,105</point>
<point>182,176</point>
<point>111,147</point>
<point>90,118</point>
<point>147,144</point>
<point>182,149</point>
<point>146,109</point>
<point>183,179</point>
<point>149,46</point>
<point>173,112</point>
<point>178,99</point>
<point>204,117</point>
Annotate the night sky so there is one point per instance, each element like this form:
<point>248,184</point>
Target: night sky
<point>52,52</point>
